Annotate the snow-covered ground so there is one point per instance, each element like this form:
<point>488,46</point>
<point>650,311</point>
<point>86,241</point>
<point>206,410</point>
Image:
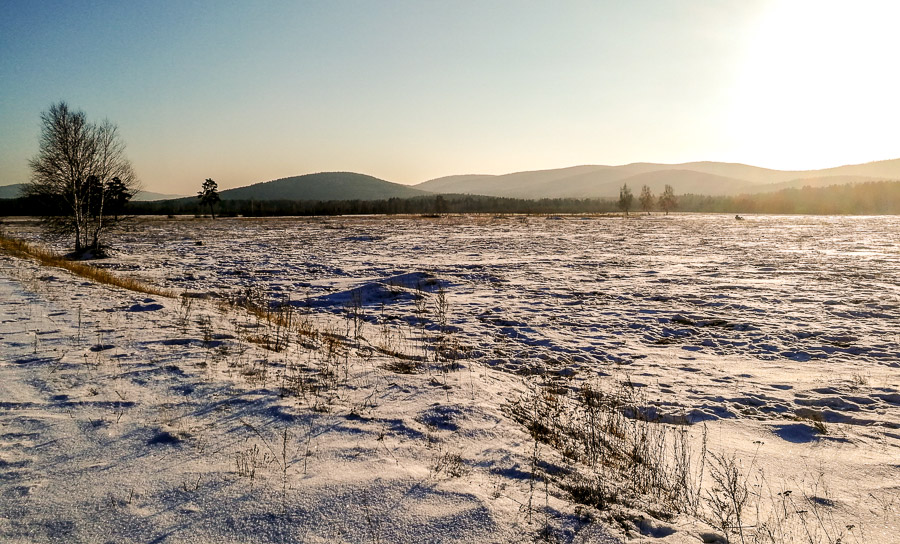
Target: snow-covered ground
<point>776,337</point>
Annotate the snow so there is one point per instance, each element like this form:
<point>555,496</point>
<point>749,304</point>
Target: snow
<point>133,418</point>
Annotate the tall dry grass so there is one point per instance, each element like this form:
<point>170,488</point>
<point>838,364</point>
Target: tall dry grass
<point>45,257</point>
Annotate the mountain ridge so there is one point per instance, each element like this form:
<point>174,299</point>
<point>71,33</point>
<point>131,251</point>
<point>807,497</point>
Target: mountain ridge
<point>583,181</point>
<point>700,177</point>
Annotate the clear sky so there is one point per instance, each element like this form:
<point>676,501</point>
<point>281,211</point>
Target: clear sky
<point>412,90</point>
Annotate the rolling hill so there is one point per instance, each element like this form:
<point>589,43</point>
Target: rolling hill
<point>323,186</point>
<point>709,178</point>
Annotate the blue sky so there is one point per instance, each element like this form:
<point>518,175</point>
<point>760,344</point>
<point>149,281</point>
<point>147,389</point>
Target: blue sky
<point>407,91</point>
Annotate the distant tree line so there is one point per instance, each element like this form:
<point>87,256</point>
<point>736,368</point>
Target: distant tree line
<point>438,204</point>
<point>872,198</point>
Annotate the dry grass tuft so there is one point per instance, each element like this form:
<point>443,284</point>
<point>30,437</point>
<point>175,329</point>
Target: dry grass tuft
<point>24,250</point>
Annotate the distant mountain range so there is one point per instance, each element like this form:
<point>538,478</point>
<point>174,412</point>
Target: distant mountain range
<point>702,178</point>
<point>11,191</point>
<point>707,178</point>
<point>15,191</point>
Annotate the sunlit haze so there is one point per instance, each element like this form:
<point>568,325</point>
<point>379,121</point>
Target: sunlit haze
<point>409,91</point>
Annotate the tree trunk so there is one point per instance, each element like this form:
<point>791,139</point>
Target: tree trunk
<point>77,223</point>
<point>98,228</point>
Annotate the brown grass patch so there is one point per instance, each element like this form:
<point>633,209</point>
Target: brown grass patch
<point>45,257</point>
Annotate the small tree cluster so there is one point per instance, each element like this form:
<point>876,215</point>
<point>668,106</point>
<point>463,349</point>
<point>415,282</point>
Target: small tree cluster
<point>666,200</point>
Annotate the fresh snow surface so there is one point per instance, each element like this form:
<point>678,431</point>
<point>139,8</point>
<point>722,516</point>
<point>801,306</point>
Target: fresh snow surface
<point>132,418</point>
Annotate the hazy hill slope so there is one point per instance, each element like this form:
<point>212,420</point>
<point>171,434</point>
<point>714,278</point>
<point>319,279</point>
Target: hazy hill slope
<point>15,191</point>
<point>686,181</point>
<point>882,170</point>
<point>744,172</point>
<point>323,186</point>
<point>711,178</point>
<point>590,182</point>
<point>451,183</point>
<point>878,170</point>
<point>533,184</point>
<point>11,191</point>
<point>818,181</point>
<point>606,184</point>
<point>147,196</point>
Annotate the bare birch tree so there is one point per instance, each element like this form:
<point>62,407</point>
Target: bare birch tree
<point>667,199</point>
<point>625,199</point>
<point>80,167</point>
<point>646,199</point>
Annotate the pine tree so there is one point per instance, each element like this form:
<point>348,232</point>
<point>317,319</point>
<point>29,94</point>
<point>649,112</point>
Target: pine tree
<point>209,195</point>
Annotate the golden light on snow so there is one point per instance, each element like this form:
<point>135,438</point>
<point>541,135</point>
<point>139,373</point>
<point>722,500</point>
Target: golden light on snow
<point>819,85</point>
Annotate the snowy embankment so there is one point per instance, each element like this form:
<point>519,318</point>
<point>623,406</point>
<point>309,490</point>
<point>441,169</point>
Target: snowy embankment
<point>393,406</point>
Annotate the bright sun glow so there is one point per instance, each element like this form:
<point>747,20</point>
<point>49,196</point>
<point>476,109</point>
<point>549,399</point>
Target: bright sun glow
<point>820,85</point>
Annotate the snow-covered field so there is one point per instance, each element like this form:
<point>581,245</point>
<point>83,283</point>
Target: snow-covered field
<point>130,418</point>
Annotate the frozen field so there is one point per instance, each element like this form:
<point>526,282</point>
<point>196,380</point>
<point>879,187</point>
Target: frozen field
<point>779,334</point>
<point>580,295</point>
<point>578,290</point>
